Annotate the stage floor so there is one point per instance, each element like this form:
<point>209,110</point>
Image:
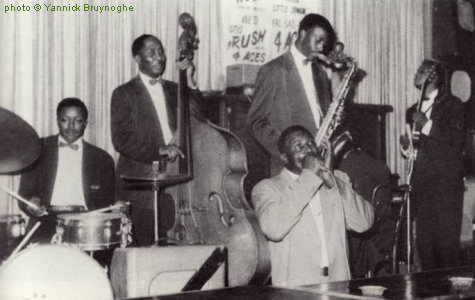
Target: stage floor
<point>423,285</point>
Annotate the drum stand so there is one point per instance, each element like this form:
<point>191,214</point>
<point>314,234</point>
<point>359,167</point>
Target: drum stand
<point>156,209</point>
<point>412,156</point>
<point>156,180</point>
<point>407,196</point>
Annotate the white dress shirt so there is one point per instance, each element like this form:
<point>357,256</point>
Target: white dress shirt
<point>426,109</point>
<point>68,186</point>
<point>315,206</point>
<point>304,69</point>
<point>158,99</point>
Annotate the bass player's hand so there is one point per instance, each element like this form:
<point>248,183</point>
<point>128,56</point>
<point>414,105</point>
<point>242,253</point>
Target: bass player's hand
<point>419,118</point>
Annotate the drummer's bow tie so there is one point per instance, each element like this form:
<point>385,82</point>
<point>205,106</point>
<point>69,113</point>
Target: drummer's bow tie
<point>72,146</point>
<point>155,81</point>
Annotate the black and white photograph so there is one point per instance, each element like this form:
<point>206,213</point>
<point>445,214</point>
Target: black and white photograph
<point>237,149</point>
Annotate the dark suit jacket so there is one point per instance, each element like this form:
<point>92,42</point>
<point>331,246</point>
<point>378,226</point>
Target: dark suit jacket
<point>280,102</point>
<point>97,175</point>
<point>440,152</point>
<point>136,132</point>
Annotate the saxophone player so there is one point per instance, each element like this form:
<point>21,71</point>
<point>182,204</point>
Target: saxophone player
<point>304,219</point>
<point>294,88</point>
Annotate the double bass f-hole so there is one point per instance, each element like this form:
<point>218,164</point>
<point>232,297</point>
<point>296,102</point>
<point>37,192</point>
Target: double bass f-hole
<point>225,220</point>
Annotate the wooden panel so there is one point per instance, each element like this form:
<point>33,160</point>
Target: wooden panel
<point>367,124</point>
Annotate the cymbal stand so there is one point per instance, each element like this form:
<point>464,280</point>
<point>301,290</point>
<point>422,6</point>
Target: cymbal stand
<point>412,158</point>
<point>156,209</point>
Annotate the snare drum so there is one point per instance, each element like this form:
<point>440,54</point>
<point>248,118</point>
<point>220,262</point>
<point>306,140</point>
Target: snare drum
<point>53,272</point>
<point>90,232</point>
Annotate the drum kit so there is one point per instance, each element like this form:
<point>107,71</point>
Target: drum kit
<point>88,231</point>
<point>29,273</point>
<point>64,268</point>
<point>53,272</point>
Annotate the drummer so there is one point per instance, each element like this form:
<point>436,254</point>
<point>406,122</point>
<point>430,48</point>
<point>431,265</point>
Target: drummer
<point>71,175</point>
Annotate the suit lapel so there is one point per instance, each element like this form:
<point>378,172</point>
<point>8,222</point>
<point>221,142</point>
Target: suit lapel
<point>50,155</point>
<point>296,94</point>
<point>284,180</point>
<point>333,220</point>
<point>170,102</point>
<point>146,107</point>
<point>321,87</point>
<point>86,176</point>
<point>327,202</point>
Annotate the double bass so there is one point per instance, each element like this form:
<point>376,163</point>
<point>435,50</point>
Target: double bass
<point>210,208</point>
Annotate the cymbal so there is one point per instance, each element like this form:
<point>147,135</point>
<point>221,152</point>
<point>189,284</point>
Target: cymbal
<point>20,144</point>
<point>154,179</point>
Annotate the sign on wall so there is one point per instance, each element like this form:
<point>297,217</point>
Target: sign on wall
<point>256,31</point>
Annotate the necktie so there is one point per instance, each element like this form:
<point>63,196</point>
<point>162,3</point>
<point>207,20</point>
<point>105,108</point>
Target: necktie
<point>74,147</point>
<point>155,81</point>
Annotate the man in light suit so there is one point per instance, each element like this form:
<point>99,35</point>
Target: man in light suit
<point>143,122</point>
<point>304,213</point>
<point>70,175</point>
<point>293,89</point>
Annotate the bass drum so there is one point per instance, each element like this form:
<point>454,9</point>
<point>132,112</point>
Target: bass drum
<point>53,272</point>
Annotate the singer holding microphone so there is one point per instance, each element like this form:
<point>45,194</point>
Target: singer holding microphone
<point>305,211</point>
<point>294,88</point>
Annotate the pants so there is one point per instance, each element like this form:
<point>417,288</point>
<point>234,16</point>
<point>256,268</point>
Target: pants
<point>439,209</point>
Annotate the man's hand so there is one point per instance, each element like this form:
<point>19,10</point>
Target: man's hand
<point>326,173</point>
<point>419,118</point>
<point>170,152</point>
<point>187,64</point>
<point>39,211</point>
<point>323,168</point>
<point>404,141</point>
<point>328,154</point>
<point>124,206</point>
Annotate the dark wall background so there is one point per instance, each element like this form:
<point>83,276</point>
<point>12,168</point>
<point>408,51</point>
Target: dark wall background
<point>455,45</point>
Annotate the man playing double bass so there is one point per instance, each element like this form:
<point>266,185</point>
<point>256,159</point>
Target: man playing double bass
<point>143,124</point>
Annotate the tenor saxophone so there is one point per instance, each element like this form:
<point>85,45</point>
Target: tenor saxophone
<point>332,120</point>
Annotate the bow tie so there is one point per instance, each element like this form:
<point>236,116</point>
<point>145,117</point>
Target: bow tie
<point>74,147</point>
<point>155,81</point>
